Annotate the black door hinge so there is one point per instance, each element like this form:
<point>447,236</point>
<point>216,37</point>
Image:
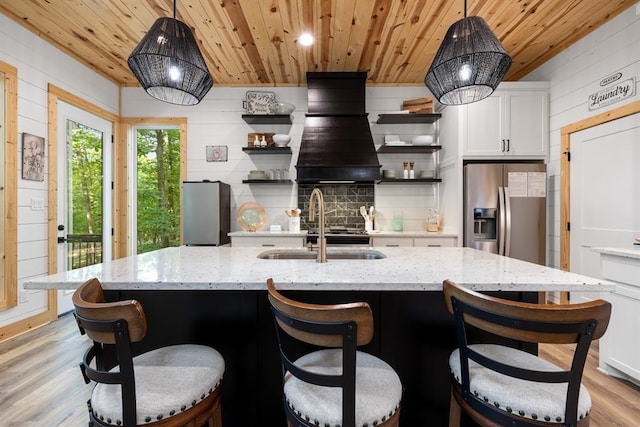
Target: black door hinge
<point>568,153</point>
<point>568,226</point>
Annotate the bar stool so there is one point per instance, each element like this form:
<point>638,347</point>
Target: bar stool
<point>335,385</point>
<point>176,385</point>
<point>499,386</point>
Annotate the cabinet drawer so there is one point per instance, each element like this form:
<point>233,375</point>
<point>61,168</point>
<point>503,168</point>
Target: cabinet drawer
<point>392,241</point>
<point>621,269</point>
<point>423,242</point>
<point>268,241</point>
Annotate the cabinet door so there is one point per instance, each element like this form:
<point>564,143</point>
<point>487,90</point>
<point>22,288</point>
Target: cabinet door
<point>484,127</point>
<point>622,343</point>
<point>526,123</point>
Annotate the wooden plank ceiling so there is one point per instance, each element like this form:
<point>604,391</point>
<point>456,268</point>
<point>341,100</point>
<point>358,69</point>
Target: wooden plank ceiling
<point>254,42</point>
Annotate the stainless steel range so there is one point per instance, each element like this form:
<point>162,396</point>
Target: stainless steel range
<point>337,236</point>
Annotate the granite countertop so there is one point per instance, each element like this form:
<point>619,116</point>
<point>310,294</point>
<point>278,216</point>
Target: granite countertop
<point>633,252</point>
<point>403,269</point>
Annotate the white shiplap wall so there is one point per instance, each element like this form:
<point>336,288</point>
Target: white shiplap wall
<point>576,73</point>
<point>217,121</point>
<point>39,64</point>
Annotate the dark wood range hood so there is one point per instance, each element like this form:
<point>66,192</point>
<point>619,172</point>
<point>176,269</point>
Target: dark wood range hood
<point>337,145</point>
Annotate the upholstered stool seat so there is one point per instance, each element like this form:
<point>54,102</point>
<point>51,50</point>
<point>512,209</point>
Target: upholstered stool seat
<point>529,399</point>
<point>168,381</point>
<point>323,405</point>
<point>497,385</point>
<point>327,382</point>
<point>172,386</point>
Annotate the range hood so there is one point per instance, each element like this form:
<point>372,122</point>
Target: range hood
<point>336,145</point>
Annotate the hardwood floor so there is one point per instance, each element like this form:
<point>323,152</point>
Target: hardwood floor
<point>41,384</point>
<point>40,381</point>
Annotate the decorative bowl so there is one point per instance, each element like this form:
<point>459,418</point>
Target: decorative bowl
<point>281,108</point>
<point>251,216</point>
<point>281,139</point>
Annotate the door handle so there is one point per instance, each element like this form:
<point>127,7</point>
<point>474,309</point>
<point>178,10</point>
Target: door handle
<point>62,239</point>
<point>502,221</point>
<point>507,205</point>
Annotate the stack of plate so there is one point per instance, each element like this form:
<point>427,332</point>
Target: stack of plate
<point>389,173</point>
<point>422,140</point>
<point>257,174</point>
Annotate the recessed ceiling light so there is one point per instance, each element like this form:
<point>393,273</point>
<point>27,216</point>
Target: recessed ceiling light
<point>306,39</point>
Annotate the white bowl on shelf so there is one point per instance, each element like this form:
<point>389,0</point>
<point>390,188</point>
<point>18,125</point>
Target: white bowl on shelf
<point>281,108</point>
<point>281,139</point>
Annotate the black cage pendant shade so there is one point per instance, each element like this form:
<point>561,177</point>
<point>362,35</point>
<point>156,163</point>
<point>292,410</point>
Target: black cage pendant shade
<point>169,65</point>
<point>469,64</point>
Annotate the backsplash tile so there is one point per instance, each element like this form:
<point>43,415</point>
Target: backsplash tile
<point>342,204</point>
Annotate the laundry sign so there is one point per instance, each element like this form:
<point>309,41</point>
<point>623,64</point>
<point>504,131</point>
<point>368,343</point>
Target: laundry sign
<point>612,94</point>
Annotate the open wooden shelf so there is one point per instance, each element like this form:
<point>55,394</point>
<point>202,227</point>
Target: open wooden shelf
<point>267,181</point>
<point>267,150</point>
<point>391,149</point>
<point>267,119</point>
<point>386,119</point>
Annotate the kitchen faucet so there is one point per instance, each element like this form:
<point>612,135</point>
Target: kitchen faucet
<point>322,241</point>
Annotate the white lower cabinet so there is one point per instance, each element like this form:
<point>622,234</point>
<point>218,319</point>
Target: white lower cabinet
<point>412,241</point>
<point>268,241</point>
<point>422,242</point>
<point>620,345</point>
<point>391,242</point>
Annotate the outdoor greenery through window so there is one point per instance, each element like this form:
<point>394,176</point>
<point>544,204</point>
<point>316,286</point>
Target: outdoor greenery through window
<point>158,189</point>
<point>84,195</point>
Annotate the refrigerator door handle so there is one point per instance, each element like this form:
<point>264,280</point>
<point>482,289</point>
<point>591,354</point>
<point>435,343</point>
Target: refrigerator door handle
<point>502,219</point>
<point>507,203</point>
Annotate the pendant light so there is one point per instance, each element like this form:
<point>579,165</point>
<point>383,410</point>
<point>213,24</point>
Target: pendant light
<point>169,65</point>
<point>469,64</point>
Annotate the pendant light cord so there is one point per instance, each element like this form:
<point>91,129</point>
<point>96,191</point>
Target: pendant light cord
<point>465,8</point>
<point>174,8</point>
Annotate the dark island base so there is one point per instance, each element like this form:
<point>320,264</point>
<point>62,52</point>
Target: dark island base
<point>414,334</point>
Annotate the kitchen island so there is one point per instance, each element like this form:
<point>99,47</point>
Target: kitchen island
<point>217,296</point>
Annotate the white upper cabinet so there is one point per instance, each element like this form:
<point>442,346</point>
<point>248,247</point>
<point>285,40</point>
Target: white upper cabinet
<point>511,122</point>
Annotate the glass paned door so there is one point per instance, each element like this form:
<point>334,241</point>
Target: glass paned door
<point>84,192</point>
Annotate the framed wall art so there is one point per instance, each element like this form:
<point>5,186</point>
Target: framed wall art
<point>32,157</point>
<point>216,153</point>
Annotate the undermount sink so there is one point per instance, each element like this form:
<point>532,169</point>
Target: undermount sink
<point>332,253</point>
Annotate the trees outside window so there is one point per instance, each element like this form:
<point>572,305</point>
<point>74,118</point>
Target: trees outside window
<point>158,188</point>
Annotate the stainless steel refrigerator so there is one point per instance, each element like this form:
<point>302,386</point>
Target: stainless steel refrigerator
<point>206,213</point>
<point>505,209</point>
